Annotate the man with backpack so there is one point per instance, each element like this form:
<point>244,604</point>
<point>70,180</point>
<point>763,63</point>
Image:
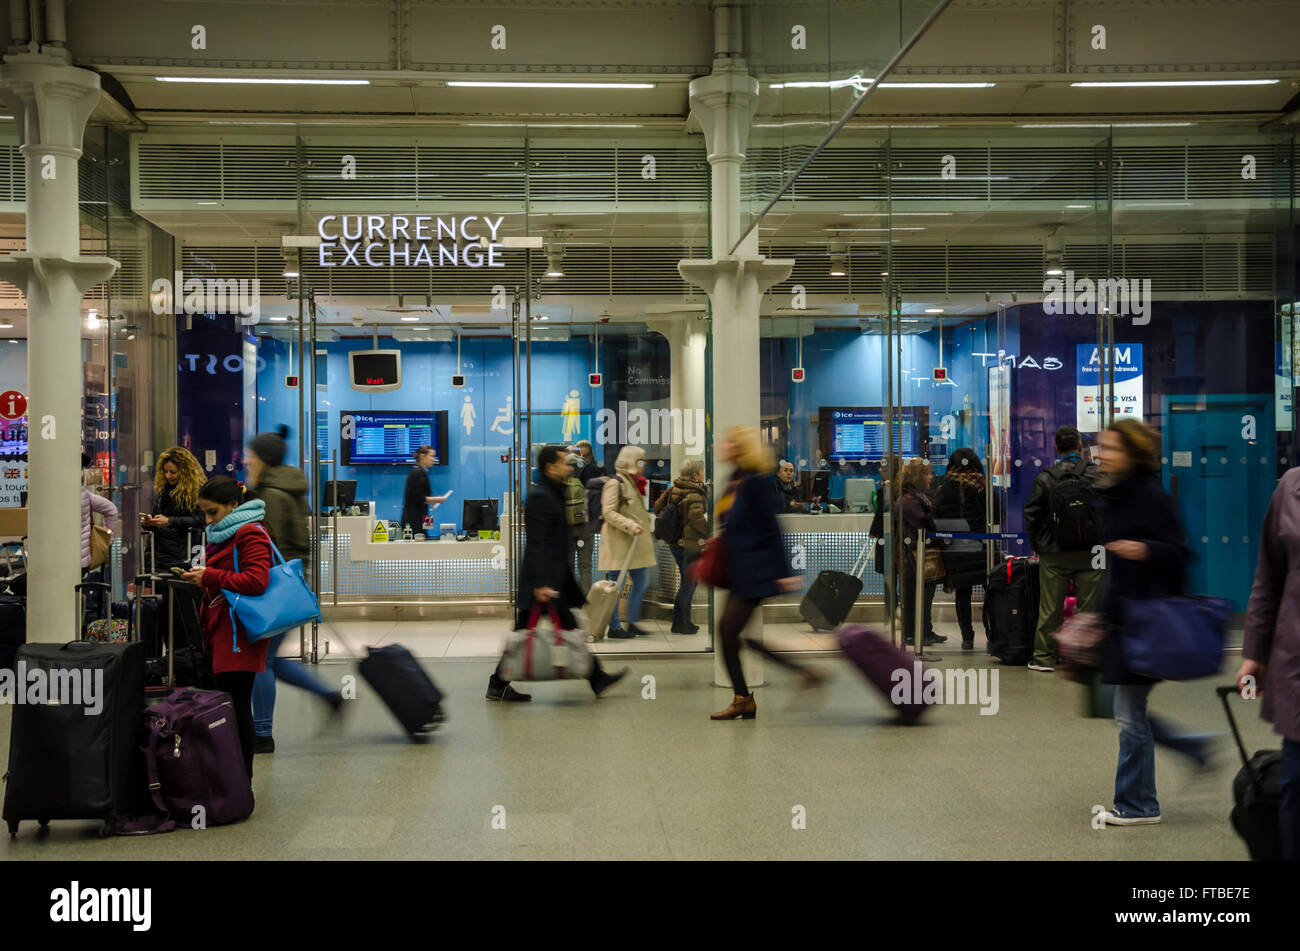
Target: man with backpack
<point>1063,522</point>
<point>682,523</point>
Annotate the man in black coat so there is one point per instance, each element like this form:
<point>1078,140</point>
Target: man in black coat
<point>546,570</point>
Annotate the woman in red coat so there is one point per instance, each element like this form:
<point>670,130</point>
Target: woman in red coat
<point>233,525</point>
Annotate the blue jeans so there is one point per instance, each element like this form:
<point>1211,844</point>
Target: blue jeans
<point>640,581</point>
<point>1139,732</point>
<point>686,588</point>
<point>1289,815</point>
<point>288,669</point>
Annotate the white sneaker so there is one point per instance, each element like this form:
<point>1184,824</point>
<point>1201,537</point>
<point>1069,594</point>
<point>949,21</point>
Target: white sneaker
<point>1032,666</point>
<point>1117,818</point>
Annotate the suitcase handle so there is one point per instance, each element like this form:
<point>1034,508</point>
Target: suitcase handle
<point>1224,693</point>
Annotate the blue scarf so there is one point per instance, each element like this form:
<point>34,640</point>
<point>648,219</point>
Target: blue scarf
<point>224,530</point>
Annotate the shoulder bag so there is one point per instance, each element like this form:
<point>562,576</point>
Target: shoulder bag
<point>286,603</point>
<point>1175,638</point>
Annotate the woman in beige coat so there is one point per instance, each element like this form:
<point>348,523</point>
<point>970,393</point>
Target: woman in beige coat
<point>627,525</point>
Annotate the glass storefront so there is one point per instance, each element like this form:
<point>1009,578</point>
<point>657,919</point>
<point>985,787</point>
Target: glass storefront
<point>971,287</point>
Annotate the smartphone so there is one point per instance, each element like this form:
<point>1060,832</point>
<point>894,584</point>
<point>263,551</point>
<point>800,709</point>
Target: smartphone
<point>178,572</point>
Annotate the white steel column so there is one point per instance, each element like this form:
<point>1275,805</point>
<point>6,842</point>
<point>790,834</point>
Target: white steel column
<point>51,102</point>
<point>724,103</point>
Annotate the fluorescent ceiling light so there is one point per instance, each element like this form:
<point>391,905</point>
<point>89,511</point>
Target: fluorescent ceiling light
<point>896,214</point>
<point>860,82</point>
<point>280,320</point>
<point>554,125</point>
<point>1131,83</point>
<point>531,241</point>
<point>289,274</point>
<point>1053,272</point>
<point>494,84</point>
<point>206,203</point>
<point>937,85</point>
<point>259,81</point>
<point>410,320</point>
<point>7,325</point>
<point>1102,125</point>
<point>934,310</point>
<point>873,229</point>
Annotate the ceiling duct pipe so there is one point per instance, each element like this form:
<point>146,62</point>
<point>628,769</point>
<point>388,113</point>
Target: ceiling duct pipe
<point>18,35</point>
<point>726,31</point>
<point>56,28</point>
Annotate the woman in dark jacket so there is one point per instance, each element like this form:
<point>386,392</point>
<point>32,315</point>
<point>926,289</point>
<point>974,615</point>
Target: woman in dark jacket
<point>233,525</point>
<point>757,567</point>
<point>961,496</point>
<point>916,512</point>
<point>1146,558</point>
<point>176,522</point>
<point>1271,647</point>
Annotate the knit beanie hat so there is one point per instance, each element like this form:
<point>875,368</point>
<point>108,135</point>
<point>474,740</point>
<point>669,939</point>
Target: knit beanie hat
<point>270,447</point>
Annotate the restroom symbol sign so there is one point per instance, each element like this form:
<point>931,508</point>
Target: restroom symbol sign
<point>13,405</point>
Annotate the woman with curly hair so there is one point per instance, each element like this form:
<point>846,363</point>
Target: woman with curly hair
<point>176,521</point>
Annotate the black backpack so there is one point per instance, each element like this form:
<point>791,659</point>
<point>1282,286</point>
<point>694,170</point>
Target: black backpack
<point>668,523</point>
<point>1072,502</point>
<point>595,513</point>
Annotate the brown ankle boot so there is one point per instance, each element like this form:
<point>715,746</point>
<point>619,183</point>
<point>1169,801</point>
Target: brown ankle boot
<point>742,707</point>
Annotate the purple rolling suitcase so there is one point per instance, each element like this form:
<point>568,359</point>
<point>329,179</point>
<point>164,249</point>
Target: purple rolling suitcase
<point>194,758</point>
<point>878,659</point>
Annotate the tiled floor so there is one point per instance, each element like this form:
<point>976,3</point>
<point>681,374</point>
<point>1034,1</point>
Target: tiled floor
<point>644,774</point>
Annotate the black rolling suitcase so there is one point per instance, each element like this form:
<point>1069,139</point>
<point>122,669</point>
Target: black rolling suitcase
<point>404,687</point>
<point>1257,792</point>
<point>171,626</point>
<point>13,628</point>
<point>1011,610</point>
<point>832,594</point>
<point>66,762</point>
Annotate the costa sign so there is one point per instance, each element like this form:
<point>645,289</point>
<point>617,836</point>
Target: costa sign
<point>410,241</point>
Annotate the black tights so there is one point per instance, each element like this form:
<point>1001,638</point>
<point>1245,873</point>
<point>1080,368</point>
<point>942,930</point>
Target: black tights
<point>239,684</point>
<point>734,618</point>
<point>962,599</point>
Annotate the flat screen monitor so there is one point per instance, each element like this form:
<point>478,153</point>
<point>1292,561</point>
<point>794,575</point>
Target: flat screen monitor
<point>375,371</point>
<point>347,494</point>
<point>858,433</point>
<point>479,515</point>
<point>390,437</point>
<point>859,494</point>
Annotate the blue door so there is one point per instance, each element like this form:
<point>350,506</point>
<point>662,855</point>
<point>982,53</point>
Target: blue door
<point>1222,481</point>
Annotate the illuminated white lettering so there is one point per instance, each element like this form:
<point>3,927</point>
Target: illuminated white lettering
<point>422,227</point>
<point>464,228</point>
<point>400,229</point>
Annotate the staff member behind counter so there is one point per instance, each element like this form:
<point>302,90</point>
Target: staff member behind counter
<point>416,499</point>
<point>787,490</point>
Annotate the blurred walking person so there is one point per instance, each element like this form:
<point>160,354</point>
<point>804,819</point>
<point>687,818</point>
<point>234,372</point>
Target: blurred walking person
<point>283,490</point>
<point>1271,648</point>
<point>1147,558</point>
<point>756,566</point>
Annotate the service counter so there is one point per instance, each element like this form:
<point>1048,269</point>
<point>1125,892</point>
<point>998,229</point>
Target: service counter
<point>461,579</point>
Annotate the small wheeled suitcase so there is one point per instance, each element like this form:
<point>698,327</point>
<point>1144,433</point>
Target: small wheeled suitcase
<point>895,673</point>
<point>602,601</point>
<point>1011,610</point>
<point>833,594</point>
<point>80,757</point>
<point>403,685</point>
<point>1257,792</point>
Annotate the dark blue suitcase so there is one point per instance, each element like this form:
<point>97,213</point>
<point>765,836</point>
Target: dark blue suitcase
<point>405,688</point>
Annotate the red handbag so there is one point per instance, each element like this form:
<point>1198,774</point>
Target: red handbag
<point>711,565</point>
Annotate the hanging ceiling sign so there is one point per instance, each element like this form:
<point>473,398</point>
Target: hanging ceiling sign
<point>410,241</point>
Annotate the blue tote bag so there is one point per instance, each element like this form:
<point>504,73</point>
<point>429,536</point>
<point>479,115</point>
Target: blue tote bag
<point>1175,638</point>
<point>286,603</point>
